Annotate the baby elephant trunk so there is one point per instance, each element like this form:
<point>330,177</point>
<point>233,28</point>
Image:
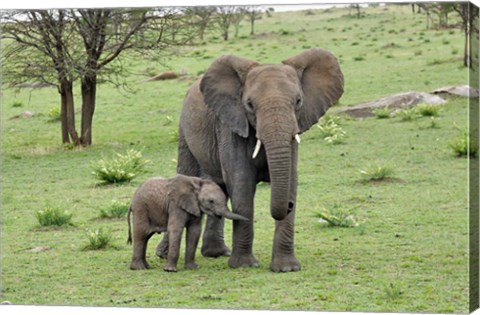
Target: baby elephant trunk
<point>232,216</point>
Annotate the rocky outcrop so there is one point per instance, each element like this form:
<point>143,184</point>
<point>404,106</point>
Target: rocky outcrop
<point>397,101</point>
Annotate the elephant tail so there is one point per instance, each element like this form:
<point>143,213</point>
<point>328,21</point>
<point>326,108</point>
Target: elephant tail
<point>129,240</point>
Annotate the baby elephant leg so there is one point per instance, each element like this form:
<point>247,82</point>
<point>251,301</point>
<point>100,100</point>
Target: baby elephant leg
<point>162,248</point>
<point>140,240</point>
<point>174,240</point>
<point>193,235</point>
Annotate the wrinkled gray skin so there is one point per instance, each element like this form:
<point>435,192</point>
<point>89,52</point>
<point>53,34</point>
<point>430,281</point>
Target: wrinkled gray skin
<point>170,205</point>
<point>236,102</point>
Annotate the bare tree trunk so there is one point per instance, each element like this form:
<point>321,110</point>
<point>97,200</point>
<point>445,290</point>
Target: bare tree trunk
<point>68,113</point>
<point>89,91</point>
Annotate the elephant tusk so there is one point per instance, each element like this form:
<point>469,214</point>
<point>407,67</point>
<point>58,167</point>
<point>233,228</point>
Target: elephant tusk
<point>257,148</point>
<point>297,137</point>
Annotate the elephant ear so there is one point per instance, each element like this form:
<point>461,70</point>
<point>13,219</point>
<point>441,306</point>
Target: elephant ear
<point>322,84</point>
<point>222,87</point>
<point>183,194</point>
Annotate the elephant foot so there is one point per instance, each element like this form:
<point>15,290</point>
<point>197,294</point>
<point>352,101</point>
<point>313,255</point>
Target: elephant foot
<point>139,265</point>
<point>285,264</point>
<point>237,261</point>
<point>215,249</point>
<point>191,265</point>
<point>162,250</point>
<point>170,268</point>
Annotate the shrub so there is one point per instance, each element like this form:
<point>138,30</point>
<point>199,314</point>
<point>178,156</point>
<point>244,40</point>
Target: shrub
<point>54,114</point>
<point>117,209</point>
<point>382,113</point>
<point>428,109</point>
<point>377,172</point>
<point>53,216</point>
<point>408,114</point>
<point>17,104</point>
<point>98,239</point>
<point>338,217</point>
<point>121,168</point>
<point>330,131</point>
<point>464,145</point>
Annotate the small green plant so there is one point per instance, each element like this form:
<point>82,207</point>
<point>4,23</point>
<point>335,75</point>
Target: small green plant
<point>337,217</point>
<point>98,239</point>
<point>377,172</point>
<point>51,216</point>
<point>168,120</point>
<point>358,58</point>
<point>428,110</point>
<point>120,168</point>
<point>54,114</point>
<point>116,209</point>
<point>393,291</point>
<point>17,104</point>
<point>330,131</point>
<point>464,144</point>
<point>407,114</point>
<point>434,123</point>
<point>382,113</point>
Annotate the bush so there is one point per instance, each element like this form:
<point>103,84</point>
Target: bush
<point>17,104</point>
<point>330,131</point>
<point>121,168</point>
<point>337,217</point>
<point>54,114</point>
<point>53,216</point>
<point>377,172</point>
<point>382,113</point>
<point>408,114</point>
<point>116,210</point>
<point>464,145</point>
<point>428,110</point>
<point>98,239</point>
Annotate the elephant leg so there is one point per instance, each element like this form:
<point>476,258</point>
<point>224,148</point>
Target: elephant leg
<point>175,238</point>
<point>242,203</point>
<point>162,248</point>
<point>193,235</point>
<point>283,253</point>
<point>140,240</point>
<point>213,242</point>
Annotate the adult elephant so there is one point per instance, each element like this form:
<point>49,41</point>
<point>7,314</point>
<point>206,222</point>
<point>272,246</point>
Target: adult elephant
<point>239,126</point>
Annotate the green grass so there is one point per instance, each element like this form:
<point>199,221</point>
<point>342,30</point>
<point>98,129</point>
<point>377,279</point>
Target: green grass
<point>409,255</point>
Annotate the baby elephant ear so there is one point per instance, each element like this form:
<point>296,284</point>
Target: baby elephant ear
<point>189,204</point>
<point>183,194</point>
<point>322,84</point>
<point>222,87</point>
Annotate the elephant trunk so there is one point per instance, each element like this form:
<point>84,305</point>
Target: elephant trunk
<point>232,216</point>
<point>279,164</point>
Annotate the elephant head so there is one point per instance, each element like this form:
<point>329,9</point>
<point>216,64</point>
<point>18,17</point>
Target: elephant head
<point>279,101</point>
<point>195,195</point>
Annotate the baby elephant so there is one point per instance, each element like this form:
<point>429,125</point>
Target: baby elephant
<point>169,205</point>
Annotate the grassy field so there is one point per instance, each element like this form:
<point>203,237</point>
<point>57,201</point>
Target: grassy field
<point>408,253</point>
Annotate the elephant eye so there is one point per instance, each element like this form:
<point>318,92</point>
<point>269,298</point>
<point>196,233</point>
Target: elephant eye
<point>211,201</point>
<point>298,102</point>
<point>249,105</point>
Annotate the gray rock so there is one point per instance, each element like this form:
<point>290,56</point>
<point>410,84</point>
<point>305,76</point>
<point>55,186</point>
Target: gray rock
<point>396,101</point>
<point>460,90</point>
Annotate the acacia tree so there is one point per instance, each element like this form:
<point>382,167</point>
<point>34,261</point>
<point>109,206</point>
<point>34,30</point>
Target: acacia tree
<point>224,18</point>
<point>469,15</point>
<point>69,45</point>
<point>202,16</point>
<point>41,47</point>
<point>253,14</point>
